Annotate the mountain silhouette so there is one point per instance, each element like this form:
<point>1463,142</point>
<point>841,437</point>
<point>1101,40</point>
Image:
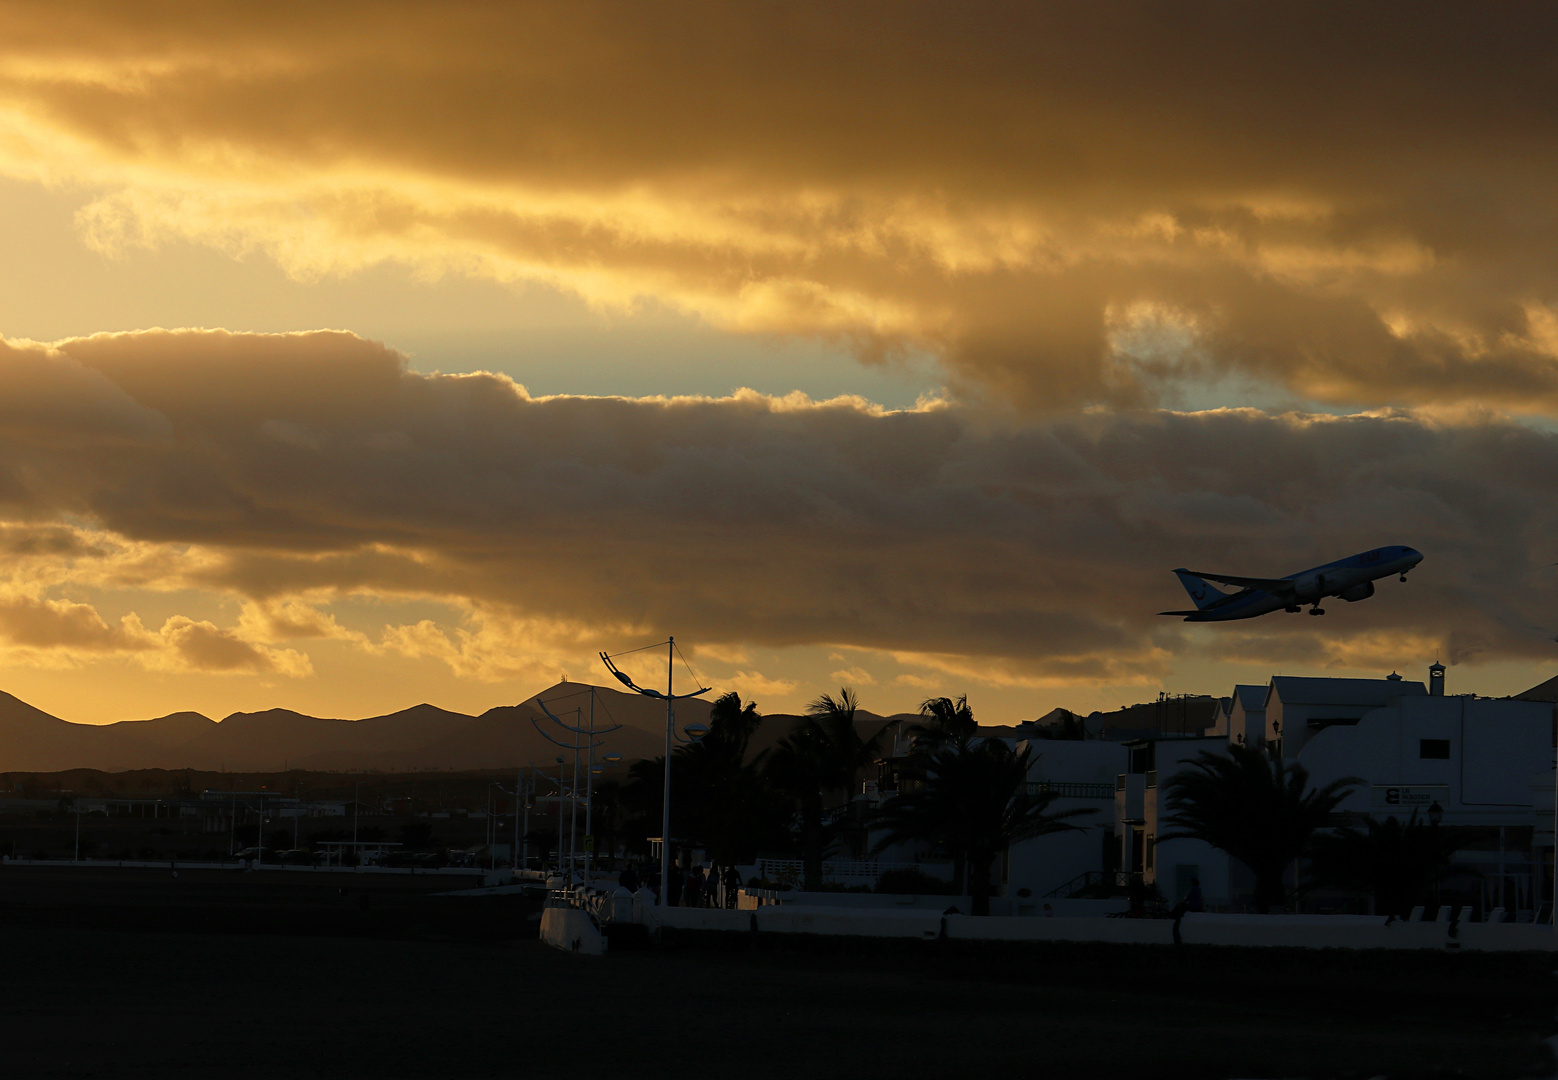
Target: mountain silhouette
<point>421,737</point>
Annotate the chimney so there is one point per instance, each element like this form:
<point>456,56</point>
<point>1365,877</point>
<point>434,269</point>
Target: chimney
<point>1436,679</point>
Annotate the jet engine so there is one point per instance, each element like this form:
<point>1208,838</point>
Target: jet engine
<point>1361,591</point>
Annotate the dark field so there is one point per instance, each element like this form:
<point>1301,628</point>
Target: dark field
<point>285,976</point>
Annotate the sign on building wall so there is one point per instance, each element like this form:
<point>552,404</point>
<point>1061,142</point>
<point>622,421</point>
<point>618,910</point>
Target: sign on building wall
<point>1413,797</point>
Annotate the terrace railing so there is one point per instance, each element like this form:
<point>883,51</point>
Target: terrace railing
<point>1071,789</point>
<point>841,871</point>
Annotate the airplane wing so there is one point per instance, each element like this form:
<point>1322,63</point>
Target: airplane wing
<point>1271,585</point>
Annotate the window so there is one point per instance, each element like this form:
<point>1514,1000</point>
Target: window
<point>1434,748</point>
<point>1141,759</point>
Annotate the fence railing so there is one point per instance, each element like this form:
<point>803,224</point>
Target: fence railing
<point>1068,789</point>
<point>842,871</point>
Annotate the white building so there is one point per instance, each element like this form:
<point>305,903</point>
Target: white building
<point>1471,761</point>
<point>1081,774</point>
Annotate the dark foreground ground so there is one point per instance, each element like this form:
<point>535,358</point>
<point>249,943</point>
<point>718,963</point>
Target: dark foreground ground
<point>291,978</point>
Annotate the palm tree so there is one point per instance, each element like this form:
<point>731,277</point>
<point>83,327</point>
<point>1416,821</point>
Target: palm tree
<point>823,753</point>
<point>1254,806</point>
<point>945,721</point>
<point>726,803</point>
<point>1396,863</point>
<point>975,802</point>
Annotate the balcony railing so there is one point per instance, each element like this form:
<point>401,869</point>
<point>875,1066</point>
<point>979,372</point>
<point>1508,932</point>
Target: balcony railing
<point>1067,789</point>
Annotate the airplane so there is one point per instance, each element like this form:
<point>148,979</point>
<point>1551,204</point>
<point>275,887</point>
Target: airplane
<point>1351,579</point>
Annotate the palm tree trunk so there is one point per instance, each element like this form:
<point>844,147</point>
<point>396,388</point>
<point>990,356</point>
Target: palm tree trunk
<point>811,841</point>
<point>979,883</point>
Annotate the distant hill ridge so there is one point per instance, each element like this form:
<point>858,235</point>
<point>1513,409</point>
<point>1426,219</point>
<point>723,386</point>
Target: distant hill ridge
<point>420,737</point>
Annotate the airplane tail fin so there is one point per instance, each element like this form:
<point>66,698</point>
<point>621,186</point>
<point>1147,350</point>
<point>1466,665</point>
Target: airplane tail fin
<point>1200,590</point>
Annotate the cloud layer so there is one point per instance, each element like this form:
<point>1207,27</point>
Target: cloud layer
<point>290,472</point>
<point>1067,204</point>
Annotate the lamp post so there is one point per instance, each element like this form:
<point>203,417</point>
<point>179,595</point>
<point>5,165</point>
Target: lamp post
<point>560,848</point>
<point>612,759</point>
<point>670,734</point>
<point>584,738</point>
<point>529,794</point>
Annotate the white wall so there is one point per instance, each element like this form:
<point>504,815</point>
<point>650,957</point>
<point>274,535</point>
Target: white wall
<point>1495,745</point>
<point>1048,862</point>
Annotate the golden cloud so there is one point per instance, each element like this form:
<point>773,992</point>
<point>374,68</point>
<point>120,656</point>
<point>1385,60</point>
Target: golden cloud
<point>1065,204</point>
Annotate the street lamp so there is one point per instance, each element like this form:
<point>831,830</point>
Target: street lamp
<point>589,742</point>
<point>670,733</point>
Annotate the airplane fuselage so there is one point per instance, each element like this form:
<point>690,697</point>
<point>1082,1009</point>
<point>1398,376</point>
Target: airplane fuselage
<point>1350,579</point>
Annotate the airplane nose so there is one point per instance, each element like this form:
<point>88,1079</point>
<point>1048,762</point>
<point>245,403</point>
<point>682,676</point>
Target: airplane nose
<point>1415,555</point>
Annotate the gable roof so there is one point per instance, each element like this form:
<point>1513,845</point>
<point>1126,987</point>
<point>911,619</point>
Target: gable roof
<point>1545,691</point>
<point>1251,698</point>
<point>1297,690</point>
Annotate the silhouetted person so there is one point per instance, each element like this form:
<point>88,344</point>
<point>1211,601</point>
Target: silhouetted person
<point>652,881</point>
<point>673,887</point>
<point>692,886</point>
<point>732,886</point>
<point>1193,901</point>
<point>628,880</point>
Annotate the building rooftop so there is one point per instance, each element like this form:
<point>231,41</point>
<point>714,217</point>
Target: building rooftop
<point>1253,698</point>
<point>1298,690</point>
<point>1547,691</point>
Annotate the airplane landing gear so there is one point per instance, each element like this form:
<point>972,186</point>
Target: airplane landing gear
<point>1317,610</point>
<point>1403,579</point>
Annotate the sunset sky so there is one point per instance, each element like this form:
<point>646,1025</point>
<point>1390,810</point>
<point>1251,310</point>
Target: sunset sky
<point>358,355</point>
